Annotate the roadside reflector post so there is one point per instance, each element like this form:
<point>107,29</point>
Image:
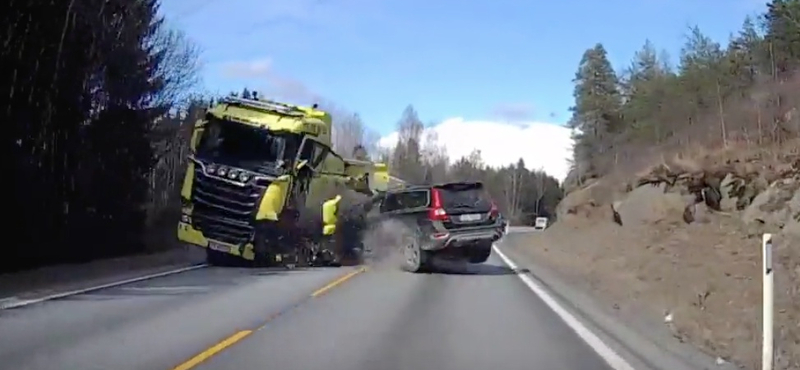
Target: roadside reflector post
<point>768,302</point>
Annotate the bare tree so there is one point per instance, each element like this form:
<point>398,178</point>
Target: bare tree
<point>178,72</point>
<point>435,159</point>
<point>407,155</point>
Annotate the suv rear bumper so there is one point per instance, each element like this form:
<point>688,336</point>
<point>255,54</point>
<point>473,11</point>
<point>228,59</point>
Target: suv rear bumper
<point>462,238</point>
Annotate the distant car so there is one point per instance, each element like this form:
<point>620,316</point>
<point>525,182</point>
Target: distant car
<point>540,223</point>
<point>453,221</point>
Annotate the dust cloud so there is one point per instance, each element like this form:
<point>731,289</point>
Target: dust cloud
<point>383,242</point>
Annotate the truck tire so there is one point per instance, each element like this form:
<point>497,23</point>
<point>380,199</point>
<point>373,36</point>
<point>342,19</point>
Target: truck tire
<point>416,259</point>
<point>222,259</point>
<point>479,253</point>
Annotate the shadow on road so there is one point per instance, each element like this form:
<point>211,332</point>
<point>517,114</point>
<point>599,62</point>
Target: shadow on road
<point>450,268</point>
<point>276,271</point>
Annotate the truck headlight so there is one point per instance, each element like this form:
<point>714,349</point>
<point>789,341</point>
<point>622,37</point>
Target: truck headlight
<point>233,174</point>
<point>211,168</point>
<point>243,177</point>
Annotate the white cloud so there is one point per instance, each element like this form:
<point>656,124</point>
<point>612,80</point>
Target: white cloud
<point>541,145</point>
<point>512,111</point>
<point>257,68</point>
<point>260,74</point>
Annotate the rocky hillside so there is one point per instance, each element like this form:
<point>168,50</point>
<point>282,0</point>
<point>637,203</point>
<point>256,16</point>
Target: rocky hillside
<point>681,241</point>
<point>677,170</point>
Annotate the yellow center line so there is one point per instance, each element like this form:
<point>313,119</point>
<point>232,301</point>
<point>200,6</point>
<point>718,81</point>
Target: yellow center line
<point>219,347</point>
<point>211,351</point>
<point>338,281</point>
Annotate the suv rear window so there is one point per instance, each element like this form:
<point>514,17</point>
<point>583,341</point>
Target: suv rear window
<point>464,196</point>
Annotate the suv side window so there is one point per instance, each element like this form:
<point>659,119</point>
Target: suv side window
<point>390,203</point>
<point>404,200</point>
<point>414,199</point>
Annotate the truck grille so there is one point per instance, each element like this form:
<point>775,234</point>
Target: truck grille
<point>223,211</point>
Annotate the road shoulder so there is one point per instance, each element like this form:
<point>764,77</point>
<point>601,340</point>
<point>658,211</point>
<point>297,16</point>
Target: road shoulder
<point>645,345</point>
<point>37,284</point>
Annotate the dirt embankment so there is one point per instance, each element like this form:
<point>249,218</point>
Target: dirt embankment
<point>681,243</point>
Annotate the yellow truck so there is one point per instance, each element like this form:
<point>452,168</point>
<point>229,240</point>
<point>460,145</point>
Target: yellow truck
<point>256,169</point>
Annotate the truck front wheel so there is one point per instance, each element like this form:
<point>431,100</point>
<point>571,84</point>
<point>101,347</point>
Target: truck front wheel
<point>217,258</point>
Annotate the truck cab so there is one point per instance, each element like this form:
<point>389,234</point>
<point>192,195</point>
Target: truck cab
<point>255,167</point>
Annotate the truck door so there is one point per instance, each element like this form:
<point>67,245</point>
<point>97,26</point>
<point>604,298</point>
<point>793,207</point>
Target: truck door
<point>197,133</point>
<point>314,184</point>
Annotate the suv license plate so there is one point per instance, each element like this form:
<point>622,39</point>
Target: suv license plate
<point>470,217</point>
<point>219,246</point>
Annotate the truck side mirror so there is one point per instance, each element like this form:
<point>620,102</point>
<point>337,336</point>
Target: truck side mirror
<point>197,133</point>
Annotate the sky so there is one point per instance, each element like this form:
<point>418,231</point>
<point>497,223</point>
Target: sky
<point>489,75</point>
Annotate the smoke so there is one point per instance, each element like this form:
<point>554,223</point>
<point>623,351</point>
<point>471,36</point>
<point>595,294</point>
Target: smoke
<point>384,240</point>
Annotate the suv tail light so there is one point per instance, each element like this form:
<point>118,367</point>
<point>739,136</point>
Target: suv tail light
<point>436,212</point>
<point>494,212</point>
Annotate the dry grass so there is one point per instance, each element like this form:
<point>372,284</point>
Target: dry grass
<point>754,125</point>
<point>705,273</point>
<point>706,276</point>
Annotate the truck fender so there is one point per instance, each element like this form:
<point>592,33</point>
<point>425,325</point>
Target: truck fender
<point>274,199</point>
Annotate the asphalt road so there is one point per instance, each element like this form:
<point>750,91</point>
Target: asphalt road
<point>240,319</point>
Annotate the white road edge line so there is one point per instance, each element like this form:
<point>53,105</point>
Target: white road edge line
<point>20,303</point>
<point>612,358</point>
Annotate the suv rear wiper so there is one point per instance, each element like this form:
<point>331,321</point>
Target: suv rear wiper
<point>463,206</point>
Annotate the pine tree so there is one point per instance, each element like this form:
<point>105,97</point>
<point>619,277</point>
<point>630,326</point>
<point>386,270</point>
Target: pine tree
<point>782,21</point>
<point>596,113</point>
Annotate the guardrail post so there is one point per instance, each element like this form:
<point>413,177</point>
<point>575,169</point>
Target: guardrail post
<point>768,308</point>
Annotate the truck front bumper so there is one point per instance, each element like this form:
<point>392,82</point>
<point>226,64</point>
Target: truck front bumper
<point>188,234</point>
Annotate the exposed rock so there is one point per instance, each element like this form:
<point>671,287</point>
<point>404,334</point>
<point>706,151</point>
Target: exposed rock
<point>792,223</point>
<point>728,190</point>
<point>615,215</point>
<point>772,208</point>
<point>729,201</point>
<point>688,213</point>
<point>697,213</point>
<point>712,197</point>
<point>584,202</point>
<point>649,204</point>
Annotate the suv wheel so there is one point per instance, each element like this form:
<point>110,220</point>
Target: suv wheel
<point>416,259</point>
<point>479,253</point>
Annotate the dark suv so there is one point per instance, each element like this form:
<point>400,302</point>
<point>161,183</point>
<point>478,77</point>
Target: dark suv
<point>453,221</point>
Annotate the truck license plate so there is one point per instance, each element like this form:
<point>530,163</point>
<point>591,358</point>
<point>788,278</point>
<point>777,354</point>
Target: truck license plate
<point>219,246</point>
<point>470,217</point>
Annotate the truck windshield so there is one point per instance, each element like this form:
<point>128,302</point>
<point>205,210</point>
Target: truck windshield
<point>244,146</point>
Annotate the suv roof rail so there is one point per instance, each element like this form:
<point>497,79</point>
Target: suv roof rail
<point>263,104</point>
<point>451,183</point>
<point>446,184</point>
